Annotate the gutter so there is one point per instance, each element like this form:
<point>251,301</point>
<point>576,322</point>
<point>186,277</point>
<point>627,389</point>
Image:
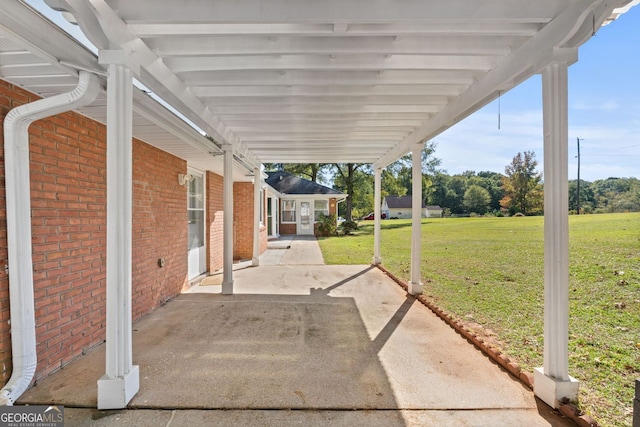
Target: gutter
<point>18,205</point>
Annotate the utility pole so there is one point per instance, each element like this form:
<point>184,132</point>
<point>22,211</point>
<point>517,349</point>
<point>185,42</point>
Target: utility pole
<point>578,203</point>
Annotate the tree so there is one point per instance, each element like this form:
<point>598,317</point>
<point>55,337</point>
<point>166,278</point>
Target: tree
<point>456,186</point>
<point>587,199</point>
<point>401,169</point>
<point>391,185</point>
<point>312,171</point>
<point>522,185</point>
<point>347,177</point>
<point>492,182</point>
<point>477,199</point>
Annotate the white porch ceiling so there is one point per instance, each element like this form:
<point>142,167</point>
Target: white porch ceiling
<point>335,80</point>
<point>38,56</point>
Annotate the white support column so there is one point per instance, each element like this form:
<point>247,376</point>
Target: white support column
<point>227,201</point>
<point>275,214</point>
<point>552,382</point>
<point>377,181</point>
<point>415,286</point>
<point>256,216</point>
<point>122,379</point>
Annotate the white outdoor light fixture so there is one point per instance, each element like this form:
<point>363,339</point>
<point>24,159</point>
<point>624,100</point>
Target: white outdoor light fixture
<point>185,179</point>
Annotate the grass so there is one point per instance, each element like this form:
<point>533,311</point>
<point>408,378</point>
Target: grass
<point>490,271</point>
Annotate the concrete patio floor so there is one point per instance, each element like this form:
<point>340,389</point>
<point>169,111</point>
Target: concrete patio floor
<point>300,343</point>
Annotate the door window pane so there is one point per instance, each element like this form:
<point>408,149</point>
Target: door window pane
<point>305,215</point>
<point>195,211</point>
<point>196,193</point>
<point>196,228</point>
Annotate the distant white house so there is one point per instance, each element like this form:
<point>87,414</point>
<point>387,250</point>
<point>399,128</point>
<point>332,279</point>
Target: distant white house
<point>400,207</point>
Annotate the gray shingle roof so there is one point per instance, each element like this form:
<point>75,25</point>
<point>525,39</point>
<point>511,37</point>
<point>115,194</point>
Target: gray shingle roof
<point>287,183</point>
<point>400,202</point>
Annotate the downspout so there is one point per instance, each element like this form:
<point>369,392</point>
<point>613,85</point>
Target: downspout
<point>18,205</point>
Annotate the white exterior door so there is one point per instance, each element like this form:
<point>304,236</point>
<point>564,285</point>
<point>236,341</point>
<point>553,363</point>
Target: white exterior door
<point>195,215</point>
<point>305,217</point>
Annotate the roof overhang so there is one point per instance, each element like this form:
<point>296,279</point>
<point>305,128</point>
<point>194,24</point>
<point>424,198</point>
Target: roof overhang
<point>39,57</point>
<point>334,81</point>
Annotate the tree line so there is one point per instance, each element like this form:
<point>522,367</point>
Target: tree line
<point>519,190</point>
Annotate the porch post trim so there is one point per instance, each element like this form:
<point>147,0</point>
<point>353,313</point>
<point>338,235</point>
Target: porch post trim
<point>256,216</point>
<point>121,380</point>
<point>377,259</point>
<point>552,382</point>
<point>227,201</point>
<point>415,286</point>
<point>275,215</point>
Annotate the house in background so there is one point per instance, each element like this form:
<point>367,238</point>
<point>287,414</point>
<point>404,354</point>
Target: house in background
<point>295,204</point>
<point>433,211</point>
<point>400,207</point>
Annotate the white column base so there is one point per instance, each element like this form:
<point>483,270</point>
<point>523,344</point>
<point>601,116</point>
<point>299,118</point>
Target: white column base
<point>414,288</point>
<point>255,262</point>
<point>377,260</point>
<point>227,288</point>
<point>551,390</point>
<point>115,393</point>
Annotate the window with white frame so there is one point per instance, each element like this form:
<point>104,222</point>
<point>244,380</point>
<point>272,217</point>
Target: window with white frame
<point>288,211</point>
<point>320,207</point>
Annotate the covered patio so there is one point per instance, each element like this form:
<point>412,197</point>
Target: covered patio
<point>301,342</point>
<point>299,82</point>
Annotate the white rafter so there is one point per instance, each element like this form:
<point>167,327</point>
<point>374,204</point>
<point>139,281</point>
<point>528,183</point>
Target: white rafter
<point>300,81</point>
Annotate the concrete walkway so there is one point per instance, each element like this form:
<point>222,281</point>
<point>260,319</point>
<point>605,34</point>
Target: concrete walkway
<point>300,343</point>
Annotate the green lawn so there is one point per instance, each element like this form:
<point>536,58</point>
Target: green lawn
<point>490,271</point>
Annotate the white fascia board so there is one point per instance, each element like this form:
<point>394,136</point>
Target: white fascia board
<point>273,191</point>
<point>311,196</point>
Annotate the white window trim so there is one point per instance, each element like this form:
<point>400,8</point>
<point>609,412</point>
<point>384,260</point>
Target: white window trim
<point>324,212</point>
<point>282,211</point>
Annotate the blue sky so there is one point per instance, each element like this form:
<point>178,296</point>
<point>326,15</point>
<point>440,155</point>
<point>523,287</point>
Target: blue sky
<point>604,112</point>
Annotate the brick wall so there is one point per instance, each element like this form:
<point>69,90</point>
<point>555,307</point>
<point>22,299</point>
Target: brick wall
<point>69,229</point>
<point>243,197</point>
<point>159,228</point>
<point>243,220</point>
<point>333,206</point>
<point>68,196</point>
<point>215,221</point>
<point>288,228</point>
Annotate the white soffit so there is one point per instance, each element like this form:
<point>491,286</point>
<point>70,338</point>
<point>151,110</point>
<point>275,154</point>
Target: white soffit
<point>38,56</point>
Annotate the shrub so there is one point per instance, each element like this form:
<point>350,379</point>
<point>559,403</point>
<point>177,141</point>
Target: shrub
<point>327,225</point>
<point>348,226</point>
